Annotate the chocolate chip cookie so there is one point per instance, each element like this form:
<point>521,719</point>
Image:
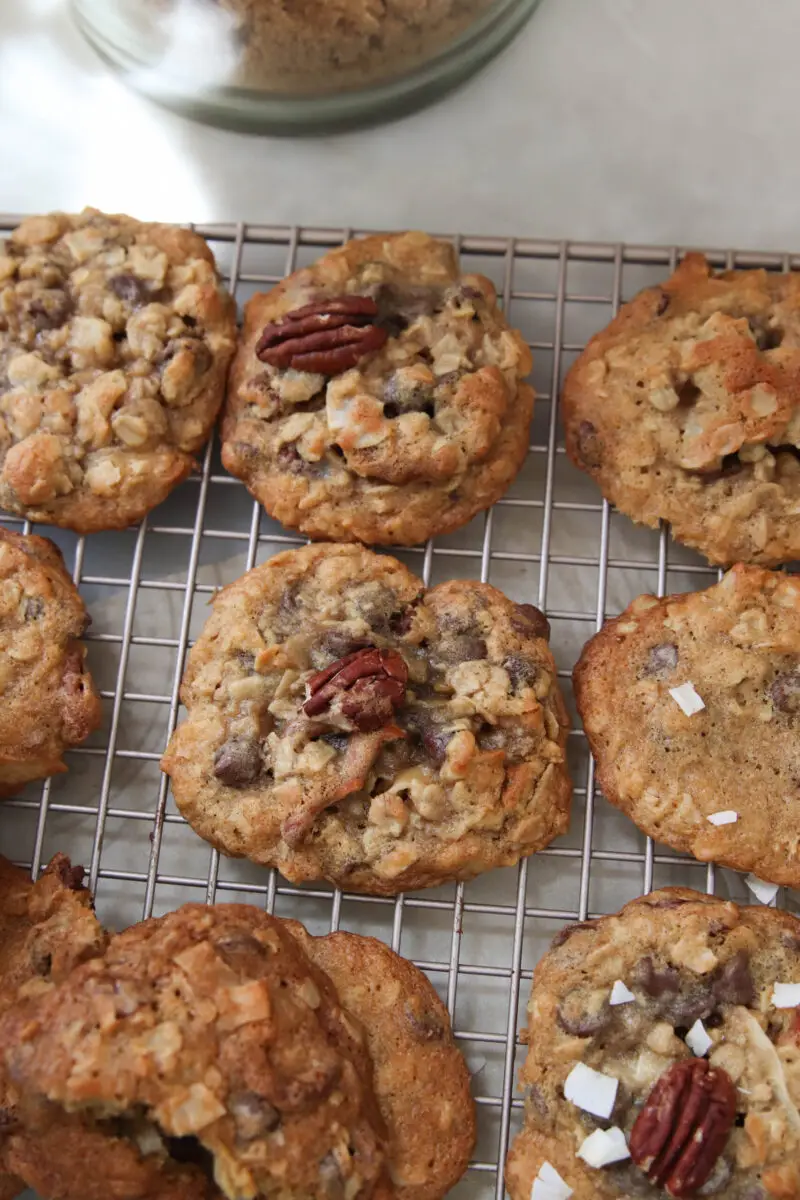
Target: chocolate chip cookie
<point>664,1056</point>
<point>203,1050</point>
<point>344,723</point>
<point>46,928</point>
<point>377,395</point>
<point>691,707</point>
<point>421,1080</point>
<point>49,702</point>
<point>687,409</point>
<point>115,339</point>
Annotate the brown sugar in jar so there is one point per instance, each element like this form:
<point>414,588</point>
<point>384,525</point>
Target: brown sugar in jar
<point>297,65</point>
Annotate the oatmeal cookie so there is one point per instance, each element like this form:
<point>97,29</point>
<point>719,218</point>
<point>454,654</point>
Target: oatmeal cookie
<point>344,723</point>
<point>376,395</point>
<point>49,702</point>
<point>664,1056</point>
<point>214,1054</point>
<point>115,339</point>
<point>691,707</point>
<point>46,928</point>
<point>421,1080</point>
<point>687,409</point>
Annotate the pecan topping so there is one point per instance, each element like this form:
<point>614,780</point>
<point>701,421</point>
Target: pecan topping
<point>682,1129</point>
<point>365,687</point>
<point>326,338</point>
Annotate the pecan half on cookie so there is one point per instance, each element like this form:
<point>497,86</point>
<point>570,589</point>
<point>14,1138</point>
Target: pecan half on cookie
<point>377,395</point>
<point>344,723</point>
<point>687,409</point>
<point>662,1059</point>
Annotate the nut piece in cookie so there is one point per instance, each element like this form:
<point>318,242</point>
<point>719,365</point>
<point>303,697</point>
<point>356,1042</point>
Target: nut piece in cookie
<point>687,409</point>
<point>421,1079</point>
<point>115,340</point>
<point>377,395</point>
<point>211,1057</point>
<point>49,702</point>
<point>691,705</point>
<point>345,723</point>
<point>720,1119</point>
<point>46,928</point>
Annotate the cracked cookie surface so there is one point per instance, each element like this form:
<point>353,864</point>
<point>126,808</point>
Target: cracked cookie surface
<point>421,1079</point>
<point>344,723</point>
<point>424,430</point>
<point>687,409</point>
<point>683,958</point>
<point>49,702</point>
<point>46,928</point>
<point>202,1055</point>
<point>736,758</point>
<point>115,339</point>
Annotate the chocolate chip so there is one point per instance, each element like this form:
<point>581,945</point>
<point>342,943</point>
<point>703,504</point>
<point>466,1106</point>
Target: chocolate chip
<point>434,738</point>
<point>661,659</point>
<point>400,622</point>
<point>239,950</point>
<point>130,288</point>
<point>582,1024</point>
<point>588,445</point>
<point>734,983</point>
<point>663,304</point>
<point>402,397</point>
<point>191,1151</point>
<point>463,647</point>
<point>426,1025</point>
<point>521,671</point>
<point>331,1183</point>
<point>253,1116</point>
<point>338,741</point>
<point>335,643</point>
<point>50,310</point>
<point>34,607</point>
<point>290,459</point>
<point>238,762</point>
<point>68,876</point>
<point>784,692</point>
<point>566,933</point>
<point>531,621</point>
<point>654,981</point>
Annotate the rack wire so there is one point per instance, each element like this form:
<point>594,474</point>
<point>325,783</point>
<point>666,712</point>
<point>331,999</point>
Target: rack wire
<point>551,541</point>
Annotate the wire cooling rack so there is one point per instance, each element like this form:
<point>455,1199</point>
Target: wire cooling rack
<point>550,541</point>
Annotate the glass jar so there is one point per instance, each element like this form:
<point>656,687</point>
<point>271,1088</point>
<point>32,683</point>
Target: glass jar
<point>292,66</point>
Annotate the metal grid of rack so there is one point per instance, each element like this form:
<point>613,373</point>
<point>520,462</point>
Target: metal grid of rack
<point>551,541</point>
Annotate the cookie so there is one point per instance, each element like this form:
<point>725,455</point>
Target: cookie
<point>46,928</point>
<point>115,339</point>
<point>344,723</point>
<point>49,702</point>
<point>691,706</point>
<point>377,395</point>
<point>210,1049</point>
<point>664,1056</point>
<point>687,409</point>
<point>421,1080</point>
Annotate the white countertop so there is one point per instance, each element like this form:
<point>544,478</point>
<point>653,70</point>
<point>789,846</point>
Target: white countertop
<point>643,120</point>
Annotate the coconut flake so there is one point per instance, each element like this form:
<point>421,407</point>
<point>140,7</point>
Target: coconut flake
<point>726,817</point>
<point>548,1185</point>
<point>766,892</point>
<point>698,1040</point>
<point>785,995</point>
<point>620,994</point>
<point>603,1147</point>
<point>591,1090</point>
<point>687,698</point>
